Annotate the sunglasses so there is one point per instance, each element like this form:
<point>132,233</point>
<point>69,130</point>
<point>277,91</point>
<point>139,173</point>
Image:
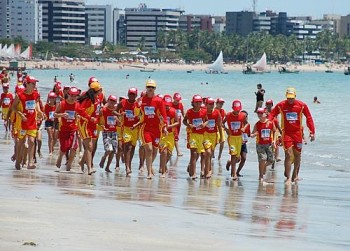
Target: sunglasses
<point>152,87</point>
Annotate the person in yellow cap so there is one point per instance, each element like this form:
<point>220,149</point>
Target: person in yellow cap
<point>291,111</point>
<point>153,123</point>
<point>88,128</point>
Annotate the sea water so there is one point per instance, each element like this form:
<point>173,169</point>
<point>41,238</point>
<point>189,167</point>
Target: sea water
<point>303,215</point>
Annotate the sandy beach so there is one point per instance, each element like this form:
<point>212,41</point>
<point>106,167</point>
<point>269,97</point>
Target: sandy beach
<point>74,65</point>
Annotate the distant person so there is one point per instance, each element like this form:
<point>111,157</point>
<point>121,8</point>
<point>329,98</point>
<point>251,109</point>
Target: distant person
<point>291,111</point>
<point>259,97</point>
<point>127,76</point>
<point>316,101</point>
<point>71,77</point>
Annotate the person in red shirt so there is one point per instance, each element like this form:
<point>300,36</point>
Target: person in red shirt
<point>212,135</point>
<point>50,122</point>
<point>219,104</point>
<point>244,149</point>
<point>88,128</point>
<point>167,142</point>
<point>153,124</point>
<point>130,110</point>
<point>292,111</point>
<point>26,105</point>
<point>235,124</point>
<point>179,107</point>
<point>264,130</point>
<point>67,112</point>
<point>196,120</point>
<point>108,121</point>
<point>6,100</point>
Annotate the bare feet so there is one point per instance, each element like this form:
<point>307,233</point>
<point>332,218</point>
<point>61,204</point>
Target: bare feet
<point>31,166</point>
<point>179,154</point>
<point>108,170</point>
<point>288,181</point>
<point>149,177</point>
<point>92,171</point>
<point>228,164</point>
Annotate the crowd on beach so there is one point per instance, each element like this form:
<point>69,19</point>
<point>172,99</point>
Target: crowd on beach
<point>74,119</point>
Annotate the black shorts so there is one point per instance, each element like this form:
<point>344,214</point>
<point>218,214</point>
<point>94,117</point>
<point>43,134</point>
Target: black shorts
<point>49,124</point>
<point>244,148</point>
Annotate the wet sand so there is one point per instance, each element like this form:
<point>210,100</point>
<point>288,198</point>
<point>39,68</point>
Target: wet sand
<point>72,211</point>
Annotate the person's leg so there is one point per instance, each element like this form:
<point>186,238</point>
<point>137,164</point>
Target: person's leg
<point>59,159</point>
<point>207,158</point>
<point>297,161</point>
<point>127,155</point>
<point>141,158</point>
<point>31,142</point>
<point>221,148</point>
<point>50,140</point>
<point>193,160</point>
<point>163,161</point>
<point>262,165</point>
<point>88,145</point>
<point>233,167</point>
<point>19,153</point>
<point>241,164</point>
<point>109,161</point>
<point>149,159</point>
<point>289,156</point>
<point>103,159</point>
<point>39,140</point>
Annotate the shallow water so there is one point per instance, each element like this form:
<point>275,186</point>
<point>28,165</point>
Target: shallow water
<point>245,214</point>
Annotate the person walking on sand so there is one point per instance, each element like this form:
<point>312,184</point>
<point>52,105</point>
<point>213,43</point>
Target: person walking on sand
<point>51,123</point>
<point>26,105</point>
<point>178,106</point>
<point>6,100</point>
<point>264,130</point>
<point>292,111</point>
<point>130,110</point>
<point>167,142</point>
<point>108,120</point>
<point>67,112</point>
<point>153,124</point>
<point>235,124</point>
<point>219,104</point>
<point>259,97</point>
<point>196,120</point>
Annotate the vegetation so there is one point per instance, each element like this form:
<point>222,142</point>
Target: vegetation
<point>205,46</point>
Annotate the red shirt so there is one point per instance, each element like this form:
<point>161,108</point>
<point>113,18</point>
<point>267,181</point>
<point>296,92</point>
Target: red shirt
<point>70,124</point>
<point>170,117</point>
<point>108,119</point>
<point>6,100</point>
<point>131,112</point>
<point>213,118</point>
<point>152,109</point>
<point>49,111</point>
<point>179,109</point>
<point>93,110</point>
<point>291,120</point>
<point>265,132</point>
<point>222,112</point>
<point>28,103</point>
<point>196,119</point>
<point>235,123</point>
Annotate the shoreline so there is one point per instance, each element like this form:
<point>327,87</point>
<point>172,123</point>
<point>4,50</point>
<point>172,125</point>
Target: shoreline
<point>76,65</point>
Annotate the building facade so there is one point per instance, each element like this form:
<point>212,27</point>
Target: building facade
<point>344,30</point>
<point>63,21</point>
<point>191,22</point>
<point>240,23</point>
<point>143,24</point>
<point>21,18</point>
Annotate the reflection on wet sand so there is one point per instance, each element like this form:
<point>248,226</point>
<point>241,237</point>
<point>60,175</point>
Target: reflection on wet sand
<point>233,199</point>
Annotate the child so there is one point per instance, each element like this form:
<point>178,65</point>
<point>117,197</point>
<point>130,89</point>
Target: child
<point>5,103</point>
<point>263,131</point>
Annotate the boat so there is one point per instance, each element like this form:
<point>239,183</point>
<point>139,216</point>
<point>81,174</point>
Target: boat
<point>190,71</point>
<point>284,69</point>
<point>328,71</point>
<point>218,66</point>
<point>260,66</point>
<point>347,71</point>
<point>147,70</point>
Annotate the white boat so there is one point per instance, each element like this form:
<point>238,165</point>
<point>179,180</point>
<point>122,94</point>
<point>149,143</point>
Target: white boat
<point>261,64</point>
<point>218,66</point>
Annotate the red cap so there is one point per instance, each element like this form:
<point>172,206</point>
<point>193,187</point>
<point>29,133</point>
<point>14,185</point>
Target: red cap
<point>52,95</point>
<point>210,101</point>
<point>30,79</point>
<point>197,98</point>
<point>220,100</point>
<point>177,96</point>
<point>167,99</point>
<point>237,105</point>
<point>261,110</point>
<point>91,80</point>
<point>132,90</point>
<point>58,85</point>
<point>269,102</point>
<point>5,85</point>
<point>112,98</point>
<point>73,91</point>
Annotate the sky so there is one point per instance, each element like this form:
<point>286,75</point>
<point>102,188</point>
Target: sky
<point>314,8</point>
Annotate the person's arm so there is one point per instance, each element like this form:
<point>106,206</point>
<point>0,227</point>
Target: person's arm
<point>274,113</point>
<point>14,108</point>
<point>220,127</point>
<point>176,122</point>
<point>309,122</point>
<point>254,132</point>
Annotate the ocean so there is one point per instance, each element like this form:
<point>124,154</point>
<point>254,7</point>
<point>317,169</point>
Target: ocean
<point>247,214</point>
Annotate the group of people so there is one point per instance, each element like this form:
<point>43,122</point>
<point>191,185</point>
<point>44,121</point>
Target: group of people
<point>74,119</point>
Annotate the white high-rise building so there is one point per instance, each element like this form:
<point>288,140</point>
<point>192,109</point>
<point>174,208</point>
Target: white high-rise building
<point>102,22</point>
<point>21,18</point>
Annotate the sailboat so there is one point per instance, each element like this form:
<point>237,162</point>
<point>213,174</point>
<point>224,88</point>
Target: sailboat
<point>260,66</point>
<point>218,66</point>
